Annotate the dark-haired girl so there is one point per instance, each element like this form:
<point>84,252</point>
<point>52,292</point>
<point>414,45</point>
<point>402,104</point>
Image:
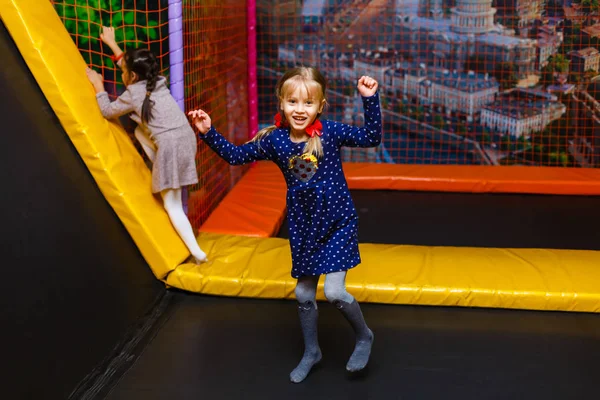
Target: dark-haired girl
<point>163,130</point>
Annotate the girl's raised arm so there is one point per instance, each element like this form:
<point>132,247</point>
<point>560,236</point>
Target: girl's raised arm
<point>234,155</point>
<point>108,38</point>
<point>368,135</point>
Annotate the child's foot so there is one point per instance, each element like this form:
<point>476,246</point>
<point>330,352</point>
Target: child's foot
<point>200,258</point>
<point>308,361</point>
<point>360,357</point>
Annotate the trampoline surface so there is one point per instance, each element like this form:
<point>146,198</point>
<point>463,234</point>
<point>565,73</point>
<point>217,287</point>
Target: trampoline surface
<point>223,348</point>
<point>476,220</point>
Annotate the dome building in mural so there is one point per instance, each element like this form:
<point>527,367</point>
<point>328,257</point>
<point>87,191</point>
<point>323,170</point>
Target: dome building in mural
<point>473,16</point>
<point>446,34</point>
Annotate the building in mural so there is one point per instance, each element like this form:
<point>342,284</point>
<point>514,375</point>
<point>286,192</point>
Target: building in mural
<point>449,92</point>
<point>520,112</point>
<point>470,31</point>
<point>548,43</point>
<point>473,16</point>
<point>520,15</point>
<point>584,60</point>
<point>585,125</point>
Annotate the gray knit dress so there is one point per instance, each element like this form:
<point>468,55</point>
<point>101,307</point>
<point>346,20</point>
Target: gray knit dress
<point>174,165</point>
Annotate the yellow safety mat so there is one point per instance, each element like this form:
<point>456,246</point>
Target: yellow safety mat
<point>537,279</point>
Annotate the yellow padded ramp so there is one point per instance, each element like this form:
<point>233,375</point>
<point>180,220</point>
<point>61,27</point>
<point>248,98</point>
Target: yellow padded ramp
<point>105,148</point>
<point>536,279</point>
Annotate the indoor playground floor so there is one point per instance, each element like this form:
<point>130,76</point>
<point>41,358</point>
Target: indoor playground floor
<point>227,348</point>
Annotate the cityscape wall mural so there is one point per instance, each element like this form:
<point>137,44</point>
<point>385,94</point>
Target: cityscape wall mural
<point>479,82</point>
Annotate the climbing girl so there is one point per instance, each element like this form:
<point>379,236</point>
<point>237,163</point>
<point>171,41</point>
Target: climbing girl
<point>163,130</point>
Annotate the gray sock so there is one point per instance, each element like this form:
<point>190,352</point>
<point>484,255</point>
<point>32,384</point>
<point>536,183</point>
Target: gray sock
<point>309,315</point>
<point>364,336</point>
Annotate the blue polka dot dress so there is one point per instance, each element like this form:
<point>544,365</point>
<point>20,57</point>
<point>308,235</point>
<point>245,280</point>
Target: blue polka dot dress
<point>321,215</point>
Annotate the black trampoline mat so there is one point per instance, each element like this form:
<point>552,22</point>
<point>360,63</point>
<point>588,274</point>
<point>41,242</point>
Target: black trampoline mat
<point>224,348</point>
<point>476,220</point>
<point>234,348</point>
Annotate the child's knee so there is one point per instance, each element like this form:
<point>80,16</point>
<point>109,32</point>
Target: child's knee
<point>305,293</point>
<point>336,293</point>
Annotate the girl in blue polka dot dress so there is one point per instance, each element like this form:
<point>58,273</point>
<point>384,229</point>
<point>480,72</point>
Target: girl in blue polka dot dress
<point>322,219</point>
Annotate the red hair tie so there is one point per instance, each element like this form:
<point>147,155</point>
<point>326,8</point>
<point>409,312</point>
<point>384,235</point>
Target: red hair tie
<point>279,122</point>
<point>315,128</point>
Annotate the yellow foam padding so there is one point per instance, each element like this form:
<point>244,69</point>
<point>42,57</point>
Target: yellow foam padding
<point>104,146</point>
<point>534,279</point>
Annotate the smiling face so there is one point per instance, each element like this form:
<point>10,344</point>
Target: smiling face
<point>301,103</point>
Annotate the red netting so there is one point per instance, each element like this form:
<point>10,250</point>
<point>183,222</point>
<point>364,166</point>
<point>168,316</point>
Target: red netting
<point>215,69</point>
<point>136,22</point>
<point>216,81</point>
<point>500,82</point>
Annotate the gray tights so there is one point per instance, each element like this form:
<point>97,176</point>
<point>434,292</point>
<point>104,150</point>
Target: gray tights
<point>335,292</point>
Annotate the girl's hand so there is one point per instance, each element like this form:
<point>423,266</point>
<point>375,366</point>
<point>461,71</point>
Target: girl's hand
<point>201,120</point>
<point>108,35</point>
<point>95,79</point>
<point>367,86</point>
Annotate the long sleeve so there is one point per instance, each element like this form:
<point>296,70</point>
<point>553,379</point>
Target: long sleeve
<point>121,106</point>
<point>236,155</point>
<point>368,135</point>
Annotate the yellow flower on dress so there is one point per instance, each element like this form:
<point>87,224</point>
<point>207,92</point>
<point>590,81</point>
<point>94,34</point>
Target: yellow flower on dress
<point>306,157</point>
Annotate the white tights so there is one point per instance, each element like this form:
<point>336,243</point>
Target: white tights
<point>173,204</point>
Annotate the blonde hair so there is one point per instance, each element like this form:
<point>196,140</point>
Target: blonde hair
<point>307,76</point>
